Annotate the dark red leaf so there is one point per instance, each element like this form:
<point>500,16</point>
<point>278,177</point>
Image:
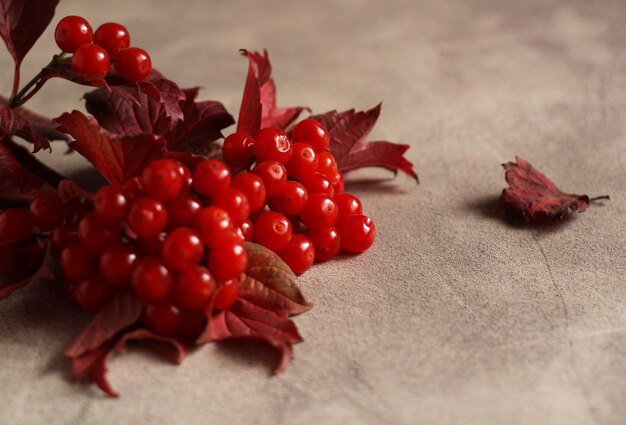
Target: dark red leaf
<point>22,22</point>
<point>116,157</point>
<point>348,131</point>
<point>531,196</point>
<point>258,105</point>
<point>20,262</point>
<point>69,190</point>
<point>18,181</point>
<point>245,320</point>
<point>12,123</point>
<point>269,283</point>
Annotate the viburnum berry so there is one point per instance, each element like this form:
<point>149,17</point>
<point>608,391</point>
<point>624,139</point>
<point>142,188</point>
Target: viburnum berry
<point>227,295</point>
<point>272,144</point>
<point>194,288</point>
<point>317,183</point>
<point>96,234</point>
<point>327,165</point>
<point>187,176</point>
<point>77,262</point>
<point>326,242</point>
<point>72,32</point>
<point>194,322</point>
<point>235,203</point>
<point>163,179</point>
<point>134,188</point>
<point>116,264</point>
<point>213,226</point>
<point>15,225</point>
<point>47,211</point>
<point>320,212</point>
<point>303,161</point>
<point>133,64</point>
<point>112,37</point>
<point>238,149</point>
<point>151,280</point>
<point>92,294</point>
<point>357,233</point>
<point>162,318</point>
<point>76,208</point>
<point>110,204</point>
<point>299,254</point>
<point>291,198</point>
<point>62,236</point>
<point>182,211</point>
<point>147,217</point>
<point>228,260</point>
<point>210,177</point>
<point>273,174</point>
<point>338,183</point>
<point>348,205</point>
<point>181,249</point>
<point>312,132</point>
<point>272,230</point>
<point>253,187</point>
<point>91,59</point>
<point>247,230</point>
<point>150,246</point>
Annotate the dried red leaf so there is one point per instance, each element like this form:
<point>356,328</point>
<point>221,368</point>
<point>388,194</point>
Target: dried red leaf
<point>116,157</point>
<point>348,131</point>
<point>69,190</point>
<point>531,196</point>
<point>20,262</point>
<point>245,320</point>
<point>22,22</point>
<point>258,105</point>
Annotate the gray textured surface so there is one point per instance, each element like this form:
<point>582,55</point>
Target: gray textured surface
<point>453,317</point>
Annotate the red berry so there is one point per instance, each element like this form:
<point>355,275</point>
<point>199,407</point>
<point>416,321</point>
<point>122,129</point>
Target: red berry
<point>317,183</point>
<point>116,264</point>
<point>162,179</point>
<point>210,177</point>
<point>348,205</point>
<point>226,295</point>
<point>238,150</point>
<point>228,260</point>
<point>15,225</point>
<point>290,199</point>
<point>272,230</point>
<point>311,132</point>
<point>299,254</point>
<point>112,37</point>
<point>147,217</point>
<point>194,322</point>
<point>247,230</point>
<point>62,236</point>
<point>181,249</point>
<point>134,188</point>
<point>186,175</point>
<point>213,226</point>
<point>194,288</point>
<point>272,144</point>
<point>77,262</point>
<point>235,203</point>
<point>110,204</point>
<point>320,212</point>
<point>91,59</point>
<point>182,211</point>
<point>96,234</point>
<point>253,187</point>
<point>327,165</point>
<point>133,64</point>
<point>72,32</point>
<point>151,280</point>
<point>303,161</point>
<point>273,174</point>
<point>327,243</point>
<point>338,183</point>
<point>162,318</point>
<point>357,233</point>
<point>76,208</point>
<point>47,211</point>
<point>150,246</point>
<point>92,294</point>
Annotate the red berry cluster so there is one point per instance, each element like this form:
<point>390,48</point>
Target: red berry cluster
<point>308,217</point>
<point>94,52</point>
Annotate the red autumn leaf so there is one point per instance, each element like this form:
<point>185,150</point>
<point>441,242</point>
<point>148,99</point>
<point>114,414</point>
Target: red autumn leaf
<point>531,196</point>
<point>245,320</point>
<point>69,190</point>
<point>258,105</point>
<point>20,262</point>
<point>116,157</point>
<point>269,283</point>
<point>348,131</point>
<point>13,123</point>
<point>22,22</point>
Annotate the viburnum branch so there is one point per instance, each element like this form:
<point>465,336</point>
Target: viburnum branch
<point>16,81</point>
<point>598,198</point>
<point>24,95</point>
